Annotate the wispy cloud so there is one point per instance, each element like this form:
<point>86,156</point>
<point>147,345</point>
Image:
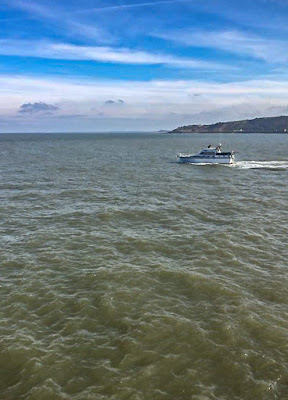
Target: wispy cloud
<point>166,103</point>
<point>72,27</point>
<point>52,91</point>
<point>269,50</point>
<point>32,8</point>
<point>66,51</point>
<point>129,6</point>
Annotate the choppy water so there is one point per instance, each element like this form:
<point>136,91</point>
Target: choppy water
<point>125,275</point>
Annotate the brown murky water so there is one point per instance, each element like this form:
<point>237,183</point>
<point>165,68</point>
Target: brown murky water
<point>125,275</point>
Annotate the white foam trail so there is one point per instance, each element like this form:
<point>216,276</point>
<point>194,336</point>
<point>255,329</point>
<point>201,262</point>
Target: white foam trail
<point>260,165</point>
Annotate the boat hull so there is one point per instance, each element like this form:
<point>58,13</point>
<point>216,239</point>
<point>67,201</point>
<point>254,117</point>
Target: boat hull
<point>187,159</point>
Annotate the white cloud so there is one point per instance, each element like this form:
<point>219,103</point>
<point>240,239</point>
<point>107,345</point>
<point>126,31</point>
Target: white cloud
<point>173,101</point>
<point>57,88</point>
<point>66,51</point>
<point>243,44</point>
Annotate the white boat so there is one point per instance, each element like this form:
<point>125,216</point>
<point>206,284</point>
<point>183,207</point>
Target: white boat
<point>211,155</point>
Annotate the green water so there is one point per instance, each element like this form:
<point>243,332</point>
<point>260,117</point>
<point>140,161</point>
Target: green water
<point>124,275</point>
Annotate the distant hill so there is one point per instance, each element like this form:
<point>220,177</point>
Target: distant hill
<point>257,125</point>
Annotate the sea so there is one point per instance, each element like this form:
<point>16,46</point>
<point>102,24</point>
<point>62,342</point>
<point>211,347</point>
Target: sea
<point>125,275</point>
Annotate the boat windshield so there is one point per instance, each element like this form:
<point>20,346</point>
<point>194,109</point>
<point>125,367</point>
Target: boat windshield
<point>208,152</point>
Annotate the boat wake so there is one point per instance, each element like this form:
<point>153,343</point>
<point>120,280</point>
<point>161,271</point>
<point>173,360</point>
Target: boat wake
<point>274,165</point>
<point>270,165</point>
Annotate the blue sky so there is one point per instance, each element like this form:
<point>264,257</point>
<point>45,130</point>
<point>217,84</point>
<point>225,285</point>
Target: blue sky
<point>140,65</point>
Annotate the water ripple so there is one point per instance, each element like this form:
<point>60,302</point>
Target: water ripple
<point>140,278</point>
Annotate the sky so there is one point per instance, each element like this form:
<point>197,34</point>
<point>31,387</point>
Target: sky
<point>127,65</point>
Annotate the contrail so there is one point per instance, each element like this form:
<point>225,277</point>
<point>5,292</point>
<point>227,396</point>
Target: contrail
<point>125,6</point>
